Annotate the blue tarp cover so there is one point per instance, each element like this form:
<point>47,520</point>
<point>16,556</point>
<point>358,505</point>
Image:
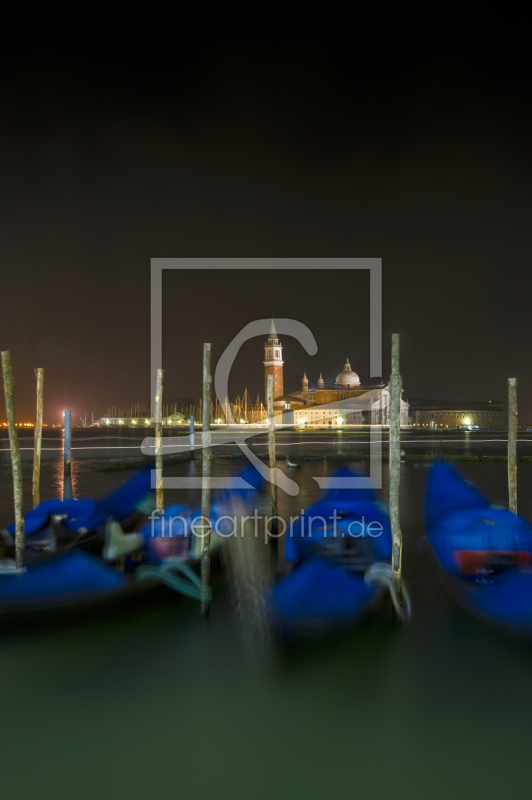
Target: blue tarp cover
<point>490,530</point>
<point>318,591</point>
<point>90,514</point>
<point>508,599</point>
<point>121,502</point>
<point>357,509</point>
<point>86,514</point>
<point>70,573</point>
<point>460,520</point>
<point>448,492</point>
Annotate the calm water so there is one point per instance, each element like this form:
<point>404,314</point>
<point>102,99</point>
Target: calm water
<point>163,702</point>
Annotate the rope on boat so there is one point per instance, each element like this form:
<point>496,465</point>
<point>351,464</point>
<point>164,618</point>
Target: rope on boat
<point>187,583</point>
<point>382,573</point>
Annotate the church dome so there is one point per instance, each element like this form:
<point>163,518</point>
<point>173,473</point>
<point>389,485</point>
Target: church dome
<point>347,377</point>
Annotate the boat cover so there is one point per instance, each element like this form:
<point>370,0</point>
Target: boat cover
<point>447,493</point>
<point>488,549</point>
<point>122,502</point>
<point>347,512</point>
<point>68,574</point>
<point>164,534</point>
<point>320,592</point>
<point>326,587</point>
<point>78,515</point>
<point>85,514</point>
<point>461,522</point>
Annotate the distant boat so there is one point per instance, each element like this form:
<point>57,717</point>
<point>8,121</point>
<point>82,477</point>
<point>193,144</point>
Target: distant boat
<point>291,464</point>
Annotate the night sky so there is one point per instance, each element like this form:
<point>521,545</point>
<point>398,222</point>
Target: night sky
<point>127,137</point>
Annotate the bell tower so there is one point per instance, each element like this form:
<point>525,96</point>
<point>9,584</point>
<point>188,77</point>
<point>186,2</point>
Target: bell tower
<point>273,364</point>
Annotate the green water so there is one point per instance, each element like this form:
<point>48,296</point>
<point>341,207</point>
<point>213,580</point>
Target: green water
<point>165,704</point>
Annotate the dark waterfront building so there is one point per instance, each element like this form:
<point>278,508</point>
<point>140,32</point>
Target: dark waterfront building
<point>483,414</point>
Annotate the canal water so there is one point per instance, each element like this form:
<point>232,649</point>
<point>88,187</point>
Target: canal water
<point>161,703</point>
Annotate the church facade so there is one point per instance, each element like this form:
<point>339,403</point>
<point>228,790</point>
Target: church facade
<point>346,402</point>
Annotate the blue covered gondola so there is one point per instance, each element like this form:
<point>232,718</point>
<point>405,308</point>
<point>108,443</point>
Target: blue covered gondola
<point>340,550</point>
<point>67,567</point>
<point>96,564</point>
<point>483,553</point>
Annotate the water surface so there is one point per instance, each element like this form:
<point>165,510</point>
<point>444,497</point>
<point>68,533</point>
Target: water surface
<point>163,703</point>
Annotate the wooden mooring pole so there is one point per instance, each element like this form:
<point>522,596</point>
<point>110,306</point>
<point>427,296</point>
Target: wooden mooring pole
<point>271,452</point>
<point>159,494</point>
<point>37,441</point>
<point>191,436</point>
<point>67,456</point>
<point>9,393</point>
<point>395,465</point>
<point>512,444</point>
<point>67,442</point>
<point>206,482</point>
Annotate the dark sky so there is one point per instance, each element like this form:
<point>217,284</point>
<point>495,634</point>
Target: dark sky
<point>127,136</point>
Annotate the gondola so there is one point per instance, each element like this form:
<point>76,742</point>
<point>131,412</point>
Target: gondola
<point>483,553</point>
<point>85,556</point>
<point>340,551</point>
<point>79,559</point>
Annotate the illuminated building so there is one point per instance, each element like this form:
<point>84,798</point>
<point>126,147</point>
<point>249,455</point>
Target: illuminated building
<point>325,404</point>
<point>482,415</point>
<point>142,422</point>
